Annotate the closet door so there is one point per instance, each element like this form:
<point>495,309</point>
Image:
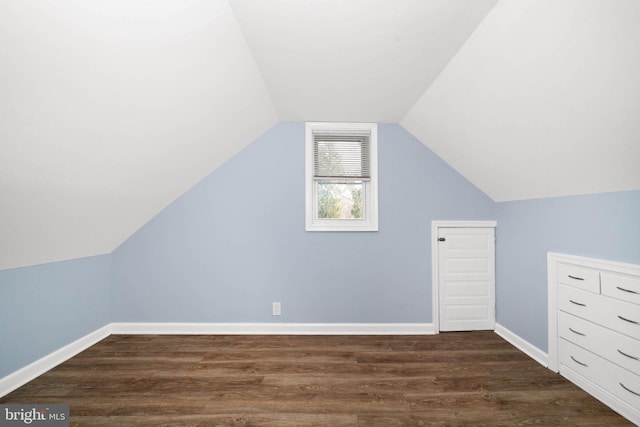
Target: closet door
<point>466,266</point>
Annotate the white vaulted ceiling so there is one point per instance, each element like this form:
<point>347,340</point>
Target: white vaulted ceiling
<point>110,109</point>
<point>354,60</point>
<point>543,100</point>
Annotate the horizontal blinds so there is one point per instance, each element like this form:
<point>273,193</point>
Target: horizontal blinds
<point>341,155</point>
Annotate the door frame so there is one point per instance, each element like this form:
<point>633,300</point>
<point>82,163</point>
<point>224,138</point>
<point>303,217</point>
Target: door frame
<point>435,254</point>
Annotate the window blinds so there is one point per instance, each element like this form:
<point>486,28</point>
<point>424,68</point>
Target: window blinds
<point>341,155</point>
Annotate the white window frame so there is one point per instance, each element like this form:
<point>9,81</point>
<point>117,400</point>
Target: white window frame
<point>370,220</point>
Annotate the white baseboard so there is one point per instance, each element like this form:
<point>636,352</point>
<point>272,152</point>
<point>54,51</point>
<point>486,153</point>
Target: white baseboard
<point>46,363</point>
<point>527,348</point>
<point>274,328</point>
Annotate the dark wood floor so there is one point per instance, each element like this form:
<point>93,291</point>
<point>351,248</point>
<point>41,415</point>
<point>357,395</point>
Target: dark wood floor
<point>450,379</point>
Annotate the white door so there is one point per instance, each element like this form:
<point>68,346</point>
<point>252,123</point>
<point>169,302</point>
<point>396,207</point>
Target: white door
<point>466,276</point>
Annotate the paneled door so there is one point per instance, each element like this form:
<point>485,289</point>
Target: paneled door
<point>466,276</point>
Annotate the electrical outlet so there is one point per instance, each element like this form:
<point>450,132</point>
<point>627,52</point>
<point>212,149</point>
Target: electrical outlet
<point>276,309</point>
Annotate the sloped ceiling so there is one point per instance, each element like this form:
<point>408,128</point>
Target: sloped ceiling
<point>353,60</point>
<point>110,109</point>
<point>543,100</point>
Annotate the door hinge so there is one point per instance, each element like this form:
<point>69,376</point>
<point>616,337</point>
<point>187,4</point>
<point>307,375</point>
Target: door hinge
<point>441,239</point>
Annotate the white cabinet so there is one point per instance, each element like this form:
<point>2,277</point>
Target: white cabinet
<point>594,328</point>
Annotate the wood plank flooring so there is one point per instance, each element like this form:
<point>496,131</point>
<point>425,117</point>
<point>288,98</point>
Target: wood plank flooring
<point>450,379</point>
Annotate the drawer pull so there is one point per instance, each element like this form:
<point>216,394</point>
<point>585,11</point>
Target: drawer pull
<point>628,290</point>
<point>629,390</point>
<point>574,277</point>
<point>579,303</point>
<point>579,363</point>
<point>579,333</point>
<point>628,320</point>
<point>628,355</point>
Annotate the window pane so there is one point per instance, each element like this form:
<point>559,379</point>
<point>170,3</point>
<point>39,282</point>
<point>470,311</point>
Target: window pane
<point>340,200</point>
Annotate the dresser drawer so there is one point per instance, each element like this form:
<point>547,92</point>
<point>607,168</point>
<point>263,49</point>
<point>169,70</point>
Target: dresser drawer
<point>617,381</point>
<point>620,349</point>
<point>580,303</point>
<point>580,277</point>
<point>614,314</point>
<point>621,286</point>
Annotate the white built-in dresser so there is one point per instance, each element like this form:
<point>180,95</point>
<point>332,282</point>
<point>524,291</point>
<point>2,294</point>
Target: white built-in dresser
<point>594,328</point>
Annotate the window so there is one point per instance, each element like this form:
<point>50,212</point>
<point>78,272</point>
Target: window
<point>341,177</point>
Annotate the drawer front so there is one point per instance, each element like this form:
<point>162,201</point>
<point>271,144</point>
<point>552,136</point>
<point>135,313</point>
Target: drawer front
<point>618,315</point>
<point>620,349</point>
<point>617,381</point>
<point>580,277</point>
<point>580,303</point>
<point>621,286</point>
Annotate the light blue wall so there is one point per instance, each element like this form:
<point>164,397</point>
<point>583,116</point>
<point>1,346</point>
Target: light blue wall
<point>605,226</point>
<point>45,307</point>
<point>236,242</point>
